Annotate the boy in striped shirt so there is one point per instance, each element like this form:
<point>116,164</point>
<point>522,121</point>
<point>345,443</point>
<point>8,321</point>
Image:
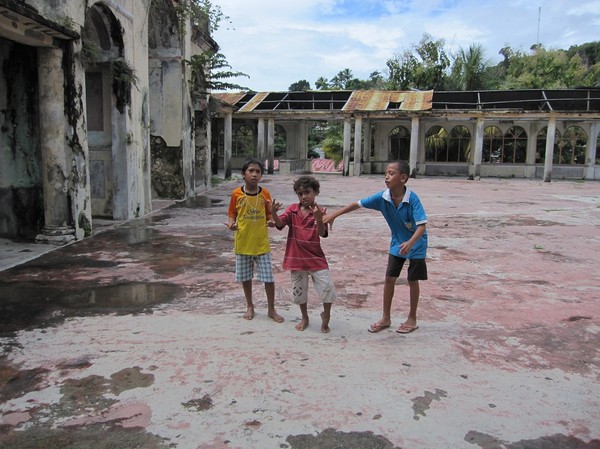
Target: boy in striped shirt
<point>304,256</point>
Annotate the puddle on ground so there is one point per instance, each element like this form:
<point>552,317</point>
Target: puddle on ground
<point>556,441</point>
<point>96,436</point>
<point>15,382</point>
<point>196,202</point>
<point>41,304</point>
<point>331,438</point>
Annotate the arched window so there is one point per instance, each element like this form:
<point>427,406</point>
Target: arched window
<point>459,144</point>
<point>399,144</point>
<point>540,145</point>
<point>436,144</point>
<point>571,147</point>
<point>514,146</point>
<point>243,142</point>
<point>492,144</point>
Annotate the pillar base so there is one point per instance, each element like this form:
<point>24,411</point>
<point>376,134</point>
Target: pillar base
<point>56,235</point>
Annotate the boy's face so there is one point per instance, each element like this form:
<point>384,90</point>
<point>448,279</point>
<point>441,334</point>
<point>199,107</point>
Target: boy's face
<point>393,177</point>
<point>252,175</point>
<point>306,196</point>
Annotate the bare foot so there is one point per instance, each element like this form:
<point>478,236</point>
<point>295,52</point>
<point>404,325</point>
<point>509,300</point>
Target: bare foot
<point>249,313</point>
<point>303,324</point>
<point>276,317</point>
<point>324,323</point>
<point>379,326</point>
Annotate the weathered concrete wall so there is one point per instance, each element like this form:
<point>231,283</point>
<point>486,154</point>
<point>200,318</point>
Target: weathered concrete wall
<point>21,214</point>
<point>171,110</point>
<point>154,100</point>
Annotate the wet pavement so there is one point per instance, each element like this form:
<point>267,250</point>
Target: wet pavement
<point>134,338</point>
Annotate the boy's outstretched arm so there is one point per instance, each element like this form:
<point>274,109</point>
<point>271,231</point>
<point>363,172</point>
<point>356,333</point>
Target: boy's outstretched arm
<point>329,218</point>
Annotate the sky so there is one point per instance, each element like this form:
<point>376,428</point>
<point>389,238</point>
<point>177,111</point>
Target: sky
<point>279,42</point>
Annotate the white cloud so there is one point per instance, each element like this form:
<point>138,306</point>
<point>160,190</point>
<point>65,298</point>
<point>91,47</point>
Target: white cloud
<point>280,42</point>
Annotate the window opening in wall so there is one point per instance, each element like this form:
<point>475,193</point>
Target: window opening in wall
<point>492,145</point>
<point>514,146</point>
<point>280,149</point>
<point>571,147</point>
<point>459,144</point>
<point>243,142</point>
<point>540,145</point>
<point>399,144</point>
<point>436,144</point>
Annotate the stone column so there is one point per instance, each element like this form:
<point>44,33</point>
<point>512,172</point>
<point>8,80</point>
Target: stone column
<point>58,226</point>
<point>368,141</point>
<point>532,129</point>
<point>347,136</point>
<point>270,144</point>
<point>414,146</point>
<point>227,144</point>
<point>478,155</point>
<point>591,151</point>
<point>357,146</point>
<point>549,149</point>
<point>261,139</point>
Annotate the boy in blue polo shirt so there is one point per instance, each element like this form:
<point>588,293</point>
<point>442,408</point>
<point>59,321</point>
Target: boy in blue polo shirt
<point>407,220</point>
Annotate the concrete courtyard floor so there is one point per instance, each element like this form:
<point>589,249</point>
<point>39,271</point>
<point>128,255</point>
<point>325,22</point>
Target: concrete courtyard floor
<point>134,338</point>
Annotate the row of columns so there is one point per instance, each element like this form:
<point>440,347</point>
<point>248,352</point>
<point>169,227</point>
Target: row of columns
<point>270,142</point>
<point>478,145</point>
<point>360,156</point>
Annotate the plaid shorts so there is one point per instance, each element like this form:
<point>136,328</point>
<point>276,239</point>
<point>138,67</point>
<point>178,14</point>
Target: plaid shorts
<point>244,268</point>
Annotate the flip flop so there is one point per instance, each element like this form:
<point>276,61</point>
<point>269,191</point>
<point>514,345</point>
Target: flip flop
<point>406,329</point>
<point>374,328</point>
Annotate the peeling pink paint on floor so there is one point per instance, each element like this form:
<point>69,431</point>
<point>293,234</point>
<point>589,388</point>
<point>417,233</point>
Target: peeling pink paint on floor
<point>506,352</point>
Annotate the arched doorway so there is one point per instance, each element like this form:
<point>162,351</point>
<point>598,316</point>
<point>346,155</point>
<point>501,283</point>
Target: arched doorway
<point>103,52</point>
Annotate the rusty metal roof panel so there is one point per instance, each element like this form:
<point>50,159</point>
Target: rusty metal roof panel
<point>377,100</point>
<point>417,101</point>
<point>254,102</point>
<point>231,98</point>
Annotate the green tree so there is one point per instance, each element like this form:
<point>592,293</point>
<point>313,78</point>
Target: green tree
<point>322,84</point>
<point>544,69</point>
<point>469,68</point>
<point>424,67</point>
<point>299,86</point>
<point>333,144</point>
<point>342,80</point>
<point>210,69</point>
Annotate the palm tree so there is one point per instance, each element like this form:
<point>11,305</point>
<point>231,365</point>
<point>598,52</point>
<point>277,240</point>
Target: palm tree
<point>469,67</point>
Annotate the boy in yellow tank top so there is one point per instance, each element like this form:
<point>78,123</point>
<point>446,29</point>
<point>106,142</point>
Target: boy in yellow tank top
<point>248,215</point>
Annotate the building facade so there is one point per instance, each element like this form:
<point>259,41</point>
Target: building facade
<point>542,134</point>
<point>96,113</point>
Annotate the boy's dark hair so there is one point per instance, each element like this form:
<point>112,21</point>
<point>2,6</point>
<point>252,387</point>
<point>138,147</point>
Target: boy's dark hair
<point>305,182</point>
<point>251,161</point>
<point>402,167</point>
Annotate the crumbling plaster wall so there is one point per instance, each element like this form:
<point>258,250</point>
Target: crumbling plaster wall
<point>22,214</point>
<point>132,196</point>
<point>171,125</point>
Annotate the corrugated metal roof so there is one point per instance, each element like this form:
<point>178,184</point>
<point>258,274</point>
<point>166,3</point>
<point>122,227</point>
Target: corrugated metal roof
<point>347,101</point>
<point>254,102</point>
<point>381,100</point>
<point>373,101</point>
<point>230,97</point>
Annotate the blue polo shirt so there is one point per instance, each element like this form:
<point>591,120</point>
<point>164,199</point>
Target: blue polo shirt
<point>403,220</point>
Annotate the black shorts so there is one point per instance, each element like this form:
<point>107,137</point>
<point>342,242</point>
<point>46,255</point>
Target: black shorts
<point>417,268</point>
